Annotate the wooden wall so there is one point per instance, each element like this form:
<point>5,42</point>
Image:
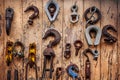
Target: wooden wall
<point>105,68</point>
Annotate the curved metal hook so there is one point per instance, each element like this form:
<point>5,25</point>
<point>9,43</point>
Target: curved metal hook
<point>73,71</point>
<point>34,15</point>
<point>98,34</point>
<point>55,34</point>
<point>93,52</point>
<point>109,38</point>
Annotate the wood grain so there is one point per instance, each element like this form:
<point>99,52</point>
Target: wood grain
<point>108,52</point>
<point>2,65</point>
<point>95,65</point>
<point>105,68</point>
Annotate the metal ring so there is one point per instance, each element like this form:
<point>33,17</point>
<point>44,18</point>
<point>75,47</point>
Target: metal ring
<point>74,8</point>
<point>16,52</point>
<point>97,11</point>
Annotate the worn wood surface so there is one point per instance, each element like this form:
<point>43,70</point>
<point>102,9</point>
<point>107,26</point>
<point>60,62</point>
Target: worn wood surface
<point>105,68</point>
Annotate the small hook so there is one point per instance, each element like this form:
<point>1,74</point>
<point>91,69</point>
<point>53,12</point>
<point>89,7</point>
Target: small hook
<point>93,52</point>
<point>34,15</point>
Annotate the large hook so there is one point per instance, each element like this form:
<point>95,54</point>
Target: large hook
<point>52,9</point>
<point>109,38</point>
<point>55,34</point>
<point>34,15</point>
<point>98,35</point>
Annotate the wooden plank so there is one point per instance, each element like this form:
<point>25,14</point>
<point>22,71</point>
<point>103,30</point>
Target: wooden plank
<point>118,45</point>
<point>108,52</point>
<point>95,65</point>
<point>72,32</point>
<point>2,62</point>
<point>39,28</point>
<point>16,32</point>
<point>32,33</point>
<point>57,25</point>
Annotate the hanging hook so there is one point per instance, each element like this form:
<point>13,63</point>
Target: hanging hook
<point>34,15</point>
<point>109,38</point>
<point>55,34</point>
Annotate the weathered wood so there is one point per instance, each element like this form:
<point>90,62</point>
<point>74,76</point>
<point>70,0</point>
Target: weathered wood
<point>16,33</point>
<point>2,58</point>
<point>118,45</point>
<point>105,68</point>
<point>33,33</point>
<point>108,52</point>
<point>57,25</point>
<point>72,32</point>
<point>95,65</point>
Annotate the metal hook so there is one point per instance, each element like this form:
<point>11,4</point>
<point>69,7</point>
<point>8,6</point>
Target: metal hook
<point>93,52</point>
<point>55,34</point>
<point>34,15</point>
<point>98,35</point>
<point>109,38</point>
<point>73,71</point>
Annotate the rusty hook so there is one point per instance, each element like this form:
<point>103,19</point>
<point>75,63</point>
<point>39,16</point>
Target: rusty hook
<point>109,38</point>
<point>55,34</point>
<point>34,15</point>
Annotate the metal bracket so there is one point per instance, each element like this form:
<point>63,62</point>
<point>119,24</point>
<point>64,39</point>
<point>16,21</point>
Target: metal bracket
<point>98,35</point>
<point>52,10</point>
<point>74,17</point>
